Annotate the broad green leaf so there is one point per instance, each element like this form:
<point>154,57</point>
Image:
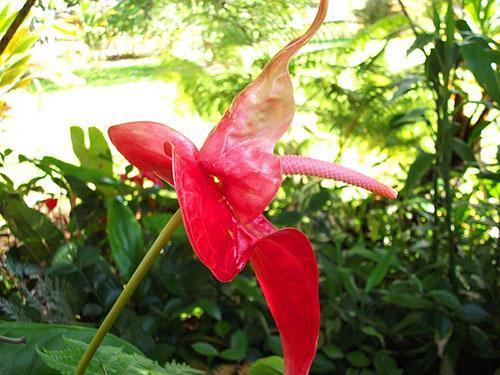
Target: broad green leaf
<point>480,339</point>
<point>462,149</point>
<point>238,348</point>
<point>407,300</point>
<point>204,348</point>
<point>474,313</point>
<point>97,155</point>
<point>408,117</point>
<point>370,331</point>
<point>40,236</point>
<point>3,16</point>
<point>7,21</point>
<point>101,179</point>
<point>211,308</point>
<point>477,131</point>
<point>86,256</point>
<point>156,222</point>
<point>268,366</point>
<point>322,365</point>
<point>358,359</point>
<point>446,299</point>
<point>489,176</point>
<point>385,364</point>
<point>125,237</point>
<point>17,62</point>
<point>420,42</point>
<point>332,352</point>
<point>222,328</point>
<point>348,281</point>
<point>377,275</point>
<point>479,57</point>
<point>25,43</point>
<point>11,75</point>
<point>23,359</point>
<point>418,170</point>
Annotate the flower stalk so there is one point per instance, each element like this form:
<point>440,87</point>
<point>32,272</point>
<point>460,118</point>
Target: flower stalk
<point>129,289</point>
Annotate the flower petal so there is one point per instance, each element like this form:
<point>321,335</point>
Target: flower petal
<point>239,150</point>
<point>142,144</point>
<point>219,240</point>
<point>287,272</point>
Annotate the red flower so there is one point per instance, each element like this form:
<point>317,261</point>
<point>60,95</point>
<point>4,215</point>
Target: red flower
<point>224,188</point>
<point>50,203</point>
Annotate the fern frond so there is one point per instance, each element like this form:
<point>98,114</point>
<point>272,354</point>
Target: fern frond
<point>109,360</point>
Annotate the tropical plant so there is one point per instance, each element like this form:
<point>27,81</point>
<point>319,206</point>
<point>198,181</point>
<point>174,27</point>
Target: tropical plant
<point>14,54</point>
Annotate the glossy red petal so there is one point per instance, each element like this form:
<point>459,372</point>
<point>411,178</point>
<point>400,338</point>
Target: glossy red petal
<point>239,150</point>
<point>51,203</point>
<point>142,144</point>
<point>219,240</point>
<point>287,272</point>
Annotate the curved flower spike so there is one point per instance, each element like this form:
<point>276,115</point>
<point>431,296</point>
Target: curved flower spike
<point>224,188</point>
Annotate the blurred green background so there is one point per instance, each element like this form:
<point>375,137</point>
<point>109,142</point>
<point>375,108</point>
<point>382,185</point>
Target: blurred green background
<point>404,91</point>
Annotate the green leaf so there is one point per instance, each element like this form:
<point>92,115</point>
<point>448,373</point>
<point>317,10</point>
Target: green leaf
<point>7,20</point>
<point>86,256</point>
<point>489,176</point>
<point>358,359</point>
<point>238,348</point>
<point>25,43</point>
<point>474,313</point>
<point>108,360</point>
<point>377,275</point>
<point>102,180</point>
<point>204,348</point>
<point>98,155</point>
<point>480,339</point>
<point>479,57</point>
<point>370,331</point>
<point>348,281</point>
<point>408,117</point>
<point>211,308</point>
<point>462,149</point>
<point>222,328</point>
<point>420,42</point>
<point>332,352</point>
<point>418,170</point>
<point>3,17</point>
<point>40,236</point>
<point>407,300</point>
<point>11,75</point>
<point>125,237</point>
<point>23,359</point>
<point>268,366</point>
<point>322,365</point>
<point>385,364</point>
<point>156,222</point>
<point>273,342</point>
<point>446,299</point>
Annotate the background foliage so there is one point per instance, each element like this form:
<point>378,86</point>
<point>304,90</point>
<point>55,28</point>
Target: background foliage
<point>409,286</point>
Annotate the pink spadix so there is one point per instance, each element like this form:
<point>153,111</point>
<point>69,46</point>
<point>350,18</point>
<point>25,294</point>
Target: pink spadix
<point>301,165</point>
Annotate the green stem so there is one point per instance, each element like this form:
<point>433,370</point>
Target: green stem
<point>129,290</point>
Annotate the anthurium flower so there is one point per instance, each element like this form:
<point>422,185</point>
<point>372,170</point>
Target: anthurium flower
<point>224,187</point>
